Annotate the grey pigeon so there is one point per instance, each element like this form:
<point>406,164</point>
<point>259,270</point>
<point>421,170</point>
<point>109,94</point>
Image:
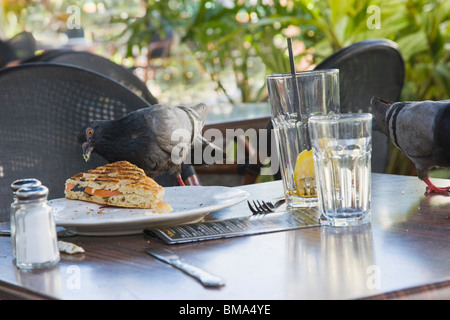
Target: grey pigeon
<point>421,130</point>
<point>157,138</point>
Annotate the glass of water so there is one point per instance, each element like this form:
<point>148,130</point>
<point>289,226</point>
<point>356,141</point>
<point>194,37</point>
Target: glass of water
<point>342,149</point>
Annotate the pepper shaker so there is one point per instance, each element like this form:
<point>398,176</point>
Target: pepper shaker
<point>16,185</point>
<point>36,240</point>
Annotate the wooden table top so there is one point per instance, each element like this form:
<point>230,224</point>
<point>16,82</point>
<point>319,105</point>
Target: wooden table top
<point>402,253</point>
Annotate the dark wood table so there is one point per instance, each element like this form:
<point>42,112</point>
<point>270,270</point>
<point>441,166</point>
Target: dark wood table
<point>402,254</point>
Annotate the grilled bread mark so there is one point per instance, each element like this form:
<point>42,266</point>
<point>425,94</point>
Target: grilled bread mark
<point>117,184</point>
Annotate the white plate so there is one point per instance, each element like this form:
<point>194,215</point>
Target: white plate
<point>190,204</point>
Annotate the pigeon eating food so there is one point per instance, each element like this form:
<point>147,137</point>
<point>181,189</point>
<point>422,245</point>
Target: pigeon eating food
<point>421,130</point>
<point>157,138</point>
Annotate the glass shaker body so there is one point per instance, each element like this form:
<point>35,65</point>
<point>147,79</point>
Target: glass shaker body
<point>36,240</point>
<point>15,186</point>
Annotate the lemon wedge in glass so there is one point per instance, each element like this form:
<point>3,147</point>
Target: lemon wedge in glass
<point>304,174</point>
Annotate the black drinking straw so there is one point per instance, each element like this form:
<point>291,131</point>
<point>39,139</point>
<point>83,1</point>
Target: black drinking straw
<point>294,80</point>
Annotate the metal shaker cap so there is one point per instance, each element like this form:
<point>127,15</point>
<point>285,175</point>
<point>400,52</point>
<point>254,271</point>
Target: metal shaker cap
<point>22,183</point>
<point>32,193</point>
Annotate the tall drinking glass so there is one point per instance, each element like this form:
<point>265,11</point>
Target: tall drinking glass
<point>292,103</point>
<point>342,146</point>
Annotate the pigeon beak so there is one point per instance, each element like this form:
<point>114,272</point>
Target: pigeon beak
<point>87,150</point>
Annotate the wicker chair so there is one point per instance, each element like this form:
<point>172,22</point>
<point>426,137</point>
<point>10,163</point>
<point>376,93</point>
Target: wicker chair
<point>371,68</point>
<point>6,54</point>
<point>113,71</point>
<point>41,108</point>
<point>23,44</point>
<point>98,64</point>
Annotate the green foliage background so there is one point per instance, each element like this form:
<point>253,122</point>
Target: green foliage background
<point>420,27</point>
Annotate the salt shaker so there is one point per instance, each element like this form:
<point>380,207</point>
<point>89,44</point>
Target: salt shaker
<point>36,241</point>
<point>16,185</point>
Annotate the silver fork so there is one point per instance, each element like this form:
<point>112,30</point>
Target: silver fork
<point>263,207</point>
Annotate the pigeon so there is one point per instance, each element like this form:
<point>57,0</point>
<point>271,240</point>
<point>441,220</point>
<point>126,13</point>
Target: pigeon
<point>421,130</point>
<point>157,138</point>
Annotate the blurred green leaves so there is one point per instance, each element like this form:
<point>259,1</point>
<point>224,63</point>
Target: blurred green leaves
<point>240,35</point>
<point>247,38</point>
<point>421,29</point>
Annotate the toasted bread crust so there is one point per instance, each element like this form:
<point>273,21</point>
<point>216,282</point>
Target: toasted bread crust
<point>136,189</point>
<point>117,174</point>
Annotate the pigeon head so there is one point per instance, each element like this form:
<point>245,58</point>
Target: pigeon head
<point>88,137</point>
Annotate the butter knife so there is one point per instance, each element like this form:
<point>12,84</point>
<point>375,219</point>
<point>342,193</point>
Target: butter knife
<point>167,256</point>
<point>61,232</point>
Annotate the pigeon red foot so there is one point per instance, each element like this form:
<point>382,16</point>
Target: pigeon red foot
<point>431,188</point>
<point>180,180</point>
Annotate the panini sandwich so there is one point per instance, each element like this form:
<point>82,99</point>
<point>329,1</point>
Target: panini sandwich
<point>120,184</point>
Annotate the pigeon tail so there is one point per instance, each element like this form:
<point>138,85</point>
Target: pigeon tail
<point>379,109</point>
<point>205,152</point>
<point>217,152</point>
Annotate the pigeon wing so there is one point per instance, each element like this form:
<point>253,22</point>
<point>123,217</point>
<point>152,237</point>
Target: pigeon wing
<point>412,128</point>
<point>172,132</point>
<point>418,129</point>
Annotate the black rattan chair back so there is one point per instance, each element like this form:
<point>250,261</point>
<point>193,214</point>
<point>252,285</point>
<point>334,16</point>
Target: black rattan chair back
<point>98,64</point>
<point>41,108</point>
<point>23,44</point>
<point>371,68</point>
<point>6,54</point>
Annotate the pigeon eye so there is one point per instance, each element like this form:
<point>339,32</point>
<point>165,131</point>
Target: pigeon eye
<point>90,132</point>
